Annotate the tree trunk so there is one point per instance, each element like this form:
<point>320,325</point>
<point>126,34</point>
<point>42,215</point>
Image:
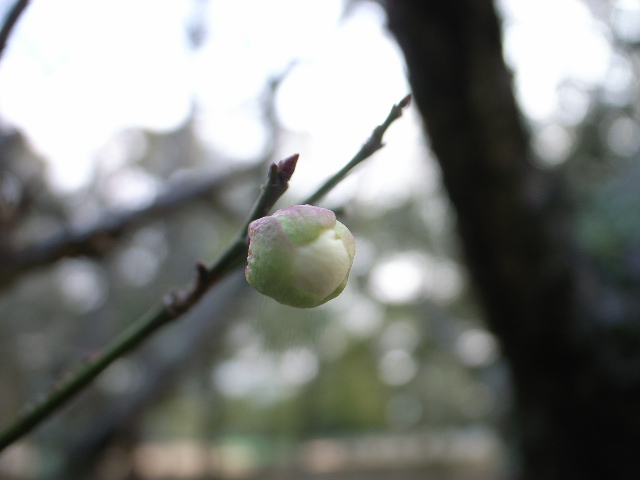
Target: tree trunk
<point>576,380</point>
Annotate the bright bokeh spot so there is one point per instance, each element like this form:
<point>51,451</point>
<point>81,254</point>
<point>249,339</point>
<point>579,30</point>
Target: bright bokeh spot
<point>359,316</point>
<point>82,284</point>
<point>553,143</point>
<point>408,276</point>
<point>401,335</point>
<point>398,279</point>
<point>397,367</point>
<point>623,136</point>
<point>299,366</point>
<point>477,347</point>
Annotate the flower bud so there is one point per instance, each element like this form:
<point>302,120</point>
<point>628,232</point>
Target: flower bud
<point>300,256</point>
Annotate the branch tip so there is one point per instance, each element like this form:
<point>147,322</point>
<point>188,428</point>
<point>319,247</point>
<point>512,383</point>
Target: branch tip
<point>405,102</point>
<point>202,272</point>
<point>286,168</point>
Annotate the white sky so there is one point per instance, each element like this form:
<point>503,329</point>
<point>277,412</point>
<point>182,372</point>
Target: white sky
<point>77,72</point>
<point>548,41</point>
<point>70,89</point>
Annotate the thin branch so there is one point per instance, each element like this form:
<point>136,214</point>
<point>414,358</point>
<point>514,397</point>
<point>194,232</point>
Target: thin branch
<point>144,326</point>
<point>371,146</point>
<point>10,22</point>
<point>177,304</point>
<point>277,183</point>
<point>96,239</point>
<point>163,367</point>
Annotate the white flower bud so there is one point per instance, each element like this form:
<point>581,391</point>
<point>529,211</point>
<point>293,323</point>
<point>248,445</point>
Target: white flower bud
<point>300,256</point>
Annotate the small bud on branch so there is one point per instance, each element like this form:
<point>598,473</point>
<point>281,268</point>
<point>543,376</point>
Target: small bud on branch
<point>300,256</point>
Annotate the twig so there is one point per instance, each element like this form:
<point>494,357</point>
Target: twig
<point>164,368</point>
<point>10,22</point>
<point>277,183</point>
<point>177,304</point>
<point>371,146</point>
<point>144,326</point>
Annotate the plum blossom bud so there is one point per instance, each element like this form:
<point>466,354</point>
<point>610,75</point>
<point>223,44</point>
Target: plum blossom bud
<point>300,256</point>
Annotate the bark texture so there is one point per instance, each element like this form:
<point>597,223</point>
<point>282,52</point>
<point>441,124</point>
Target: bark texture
<point>577,379</point>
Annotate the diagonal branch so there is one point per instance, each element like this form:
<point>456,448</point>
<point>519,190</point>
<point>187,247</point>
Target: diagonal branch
<point>177,304</point>
<point>371,146</point>
<point>144,326</point>
<point>96,239</point>
<point>277,183</point>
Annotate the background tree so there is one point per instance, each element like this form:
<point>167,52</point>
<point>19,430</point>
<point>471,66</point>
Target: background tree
<point>573,357</point>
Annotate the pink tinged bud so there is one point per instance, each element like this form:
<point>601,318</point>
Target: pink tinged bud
<point>300,256</point>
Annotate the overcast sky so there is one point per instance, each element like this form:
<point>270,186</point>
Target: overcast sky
<point>78,72</point>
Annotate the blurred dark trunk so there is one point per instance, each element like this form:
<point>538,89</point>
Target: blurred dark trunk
<point>576,381</point>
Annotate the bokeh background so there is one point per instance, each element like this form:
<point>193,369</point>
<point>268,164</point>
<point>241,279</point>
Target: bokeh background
<point>136,134</point>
